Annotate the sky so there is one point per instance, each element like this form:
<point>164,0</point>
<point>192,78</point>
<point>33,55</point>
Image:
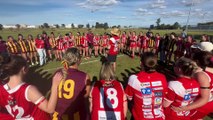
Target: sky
<point>140,13</point>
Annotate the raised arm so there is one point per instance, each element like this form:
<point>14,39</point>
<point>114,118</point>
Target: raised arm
<point>37,98</point>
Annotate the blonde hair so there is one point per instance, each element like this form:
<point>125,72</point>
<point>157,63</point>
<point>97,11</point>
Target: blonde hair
<point>186,65</point>
<point>107,72</point>
<point>72,57</point>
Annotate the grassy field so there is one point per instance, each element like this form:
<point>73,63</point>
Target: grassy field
<point>41,76</point>
<point>14,32</point>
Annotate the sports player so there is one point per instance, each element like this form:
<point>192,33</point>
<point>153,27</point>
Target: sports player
<point>170,47</point>
<point>182,91</point>
<point>60,48</point>
<point>105,39</point>
<point>113,47</point>
<point>48,47</point>
<point>133,43</point>
<point>32,50</point>
<point>188,45</point>
<point>74,90</point>
<point>123,41</point>
<point>205,60</point>
<point>84,45</point>
<point>22,46</point>
<point>147,90</point>
<point>53,43</point>
<point>107,97</point>
<point>78,41</point>
<point>96,40</point>
<point>151,43</point>
<point>21,100</point>
<point>179,52</point>
<point>40,46</point>
<point>12,46</point>
<point>157,42</point>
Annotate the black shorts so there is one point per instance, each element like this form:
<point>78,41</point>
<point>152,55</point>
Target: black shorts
<point>91,46</point>
<point>111,58</point>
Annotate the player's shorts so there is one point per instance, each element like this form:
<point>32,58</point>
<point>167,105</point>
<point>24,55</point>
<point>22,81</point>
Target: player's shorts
<point>111,58</point>
<point>202,111</point>
<point>133,45</point>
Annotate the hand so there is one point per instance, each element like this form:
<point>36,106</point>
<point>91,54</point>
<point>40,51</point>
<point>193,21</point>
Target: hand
<point>57,78</point>
<point>178,109</point>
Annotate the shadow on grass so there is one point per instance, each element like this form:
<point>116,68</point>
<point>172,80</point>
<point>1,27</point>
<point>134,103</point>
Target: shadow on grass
<point>42,80</point>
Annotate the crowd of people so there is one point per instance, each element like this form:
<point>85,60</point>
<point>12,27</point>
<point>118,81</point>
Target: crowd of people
<point>46,47</point>
<point>149,94</point>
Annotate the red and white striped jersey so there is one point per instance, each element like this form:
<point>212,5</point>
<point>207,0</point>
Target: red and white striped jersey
<point>147,90</point>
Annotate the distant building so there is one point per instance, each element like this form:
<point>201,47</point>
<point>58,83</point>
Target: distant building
<point>23,26</point>
<point>9,26</point>
<point>31,26</point>
<point>68,26</point>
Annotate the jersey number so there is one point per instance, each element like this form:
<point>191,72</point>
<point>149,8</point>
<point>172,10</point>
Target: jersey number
<point>68,86</point>
<point>111,98</point>
<point>14,109</point>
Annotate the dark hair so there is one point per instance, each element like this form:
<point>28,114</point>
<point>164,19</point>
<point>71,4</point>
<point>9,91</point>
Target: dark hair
<point>10,37</point>
<point>44,32</point>
<point>0,37</point>
<point>203,58</point>
<point>149,61</point>
<point>30,36</point>
<point>11,65</point>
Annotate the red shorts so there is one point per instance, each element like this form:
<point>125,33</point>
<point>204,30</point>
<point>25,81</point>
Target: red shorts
<point>202,111</point>
<point>133,45</point>
<point>139,45</point>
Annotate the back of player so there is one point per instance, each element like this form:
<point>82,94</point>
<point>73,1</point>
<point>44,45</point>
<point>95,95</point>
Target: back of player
<point>107,97</point>
<point>147,90</point>
<point>18,105</point>
<point>71,94</point>
<point>181,92</point>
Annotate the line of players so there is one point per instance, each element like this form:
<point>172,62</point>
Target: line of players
<point>148,91</point>
<point>89,44</point>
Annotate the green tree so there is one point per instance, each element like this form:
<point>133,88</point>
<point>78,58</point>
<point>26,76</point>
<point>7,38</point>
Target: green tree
<point>18,26</point>
<point>88,25</point>
<point>73,25</point>
<point>80,26</point>
<point>176,25</point>
<point>1,27</point>
<point>158,22</point>
<point>46,25</point>
<point>106,26</point>
<point>57,26</point>
<point>63,25</point>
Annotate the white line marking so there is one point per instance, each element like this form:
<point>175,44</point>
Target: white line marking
<point>81,64</point>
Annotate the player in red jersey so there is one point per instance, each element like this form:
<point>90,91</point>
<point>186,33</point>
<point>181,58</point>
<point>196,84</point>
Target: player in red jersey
<point>96,40</point>
<point>147,90</point>
<point>84,45</point>
<point>107,97</point>
<point>105,39</point>
<point>205,60</point>
<point>133,43</point>
<point>60,47</point>
<point>78,41</point>
<point>139,41</point>
<point>113,47</point>
<point>66,42</point>
<point>23,101</point>
<point>144,42</point>
<point>183,91</point>
<point>73,91</point>
<point>157,42</point>
<point>123,41</point>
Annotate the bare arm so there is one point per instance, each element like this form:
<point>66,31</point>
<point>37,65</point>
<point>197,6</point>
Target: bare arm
<point>125,105</point>
<point>203,80</point>
<point>88,86</point>
<point>46,105</point>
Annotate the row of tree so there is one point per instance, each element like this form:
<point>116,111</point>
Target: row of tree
<point>176,25</point>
